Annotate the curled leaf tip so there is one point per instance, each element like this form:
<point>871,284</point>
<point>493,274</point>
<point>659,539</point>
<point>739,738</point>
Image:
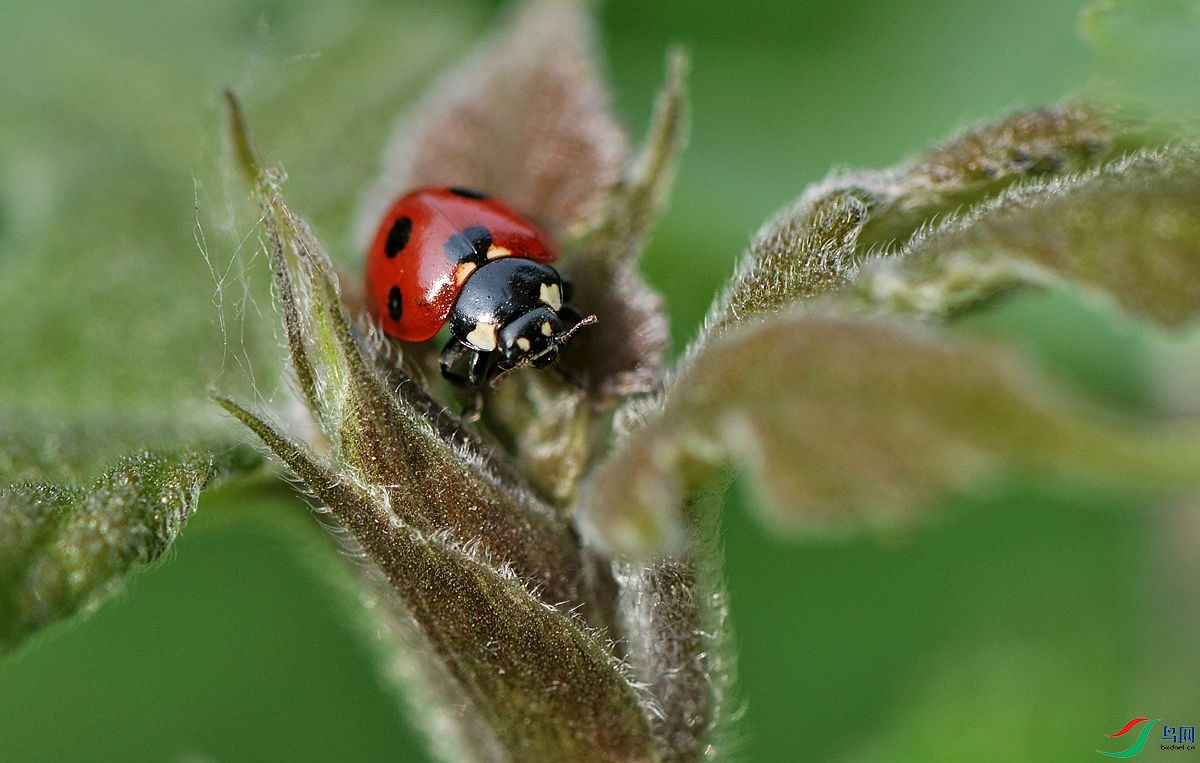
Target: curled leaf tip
<point>1128,230</point>
<point>239,137</point>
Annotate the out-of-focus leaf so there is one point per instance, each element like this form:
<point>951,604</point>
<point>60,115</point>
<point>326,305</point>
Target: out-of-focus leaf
<point>66,549</point>
<point>108,134</point>
<point>525,117</point>
<point>1129,230</point>
<point>980,162</point>
<point>816,245</point>
<point>74,451</point>
<point>843,422</point>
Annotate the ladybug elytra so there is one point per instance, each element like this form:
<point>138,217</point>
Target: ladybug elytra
<point>453,254</point>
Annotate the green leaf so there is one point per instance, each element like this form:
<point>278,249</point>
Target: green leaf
<point>1129,231</point>
<point>65,550</point>
<point>874,423</point>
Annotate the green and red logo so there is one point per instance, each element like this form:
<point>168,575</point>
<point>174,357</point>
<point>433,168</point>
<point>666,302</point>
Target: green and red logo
<point>1174,738</point>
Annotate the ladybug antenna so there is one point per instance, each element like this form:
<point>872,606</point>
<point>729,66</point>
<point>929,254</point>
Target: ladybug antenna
<point>562,339</point>
<point>566,335</point>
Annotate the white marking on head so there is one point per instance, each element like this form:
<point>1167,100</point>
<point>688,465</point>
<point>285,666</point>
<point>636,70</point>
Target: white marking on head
<point>523,343</point>
<point>551,294</point>
<point>483,337</point>
<point>496,252</point>
<point>547,329</point>
<point>462,271</point>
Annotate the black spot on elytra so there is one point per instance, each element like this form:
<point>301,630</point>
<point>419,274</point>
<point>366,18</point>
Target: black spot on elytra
<point>467,193</point>
<point>395,305</point>
<point>397,237</point>
<point>469,245</point>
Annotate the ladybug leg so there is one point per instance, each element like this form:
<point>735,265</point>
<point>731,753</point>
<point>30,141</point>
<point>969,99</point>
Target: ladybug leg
<point>452,353</point>
<point>481,368</point>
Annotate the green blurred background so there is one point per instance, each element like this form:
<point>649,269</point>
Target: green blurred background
<point>1022,625</point>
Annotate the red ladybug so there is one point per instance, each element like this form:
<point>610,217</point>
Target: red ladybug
<point>459,255</point>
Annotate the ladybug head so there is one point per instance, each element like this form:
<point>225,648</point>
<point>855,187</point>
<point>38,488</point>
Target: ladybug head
<point>534,337</point>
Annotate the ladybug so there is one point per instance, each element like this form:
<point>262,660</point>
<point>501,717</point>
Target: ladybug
<point>450,254</point>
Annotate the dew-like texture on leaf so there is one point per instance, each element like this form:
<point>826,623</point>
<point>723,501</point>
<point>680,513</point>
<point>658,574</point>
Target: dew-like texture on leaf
<point>67,549</point>
<point>1130,230</point>
<point>525,117</point>
<point>845,421</point>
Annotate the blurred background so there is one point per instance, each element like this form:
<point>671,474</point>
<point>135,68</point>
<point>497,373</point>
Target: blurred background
<point>1020,625</point>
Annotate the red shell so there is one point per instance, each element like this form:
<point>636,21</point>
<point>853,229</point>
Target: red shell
<point>428,278</point>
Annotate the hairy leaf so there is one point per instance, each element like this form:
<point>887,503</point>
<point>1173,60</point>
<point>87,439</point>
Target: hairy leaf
<point>545,686</point>
<point>815,246</point>
<point>674,610</point>
<point>489,575</point>
<point>1129,230</point>
<point>387,434</point>
<point>525,117</point>
<point>808,250</point>
<point>844,421</point>
<point>980,162</point>
<point>66,549</point>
